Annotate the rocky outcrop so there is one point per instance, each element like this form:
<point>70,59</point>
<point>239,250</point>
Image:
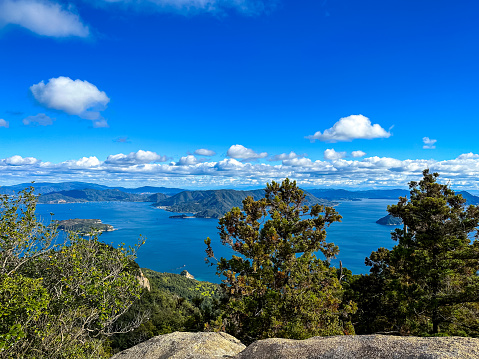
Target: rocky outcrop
<point>364,347</point>
<point>144,282</point>
<point>187,274</point>
<point>221,345</point>
<point>179,345</point>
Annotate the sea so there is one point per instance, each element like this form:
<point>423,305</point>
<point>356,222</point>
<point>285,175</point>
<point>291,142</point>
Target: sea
<point>174,244</point>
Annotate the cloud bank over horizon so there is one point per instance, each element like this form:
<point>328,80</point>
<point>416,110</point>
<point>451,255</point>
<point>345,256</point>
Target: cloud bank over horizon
<point>138,168</point>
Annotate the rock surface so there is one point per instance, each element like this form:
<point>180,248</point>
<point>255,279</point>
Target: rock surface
<point>179,345</point>
<point>364,347</point>
<point>221,345</point>
<point>144,282</point>
<point>187,274</point>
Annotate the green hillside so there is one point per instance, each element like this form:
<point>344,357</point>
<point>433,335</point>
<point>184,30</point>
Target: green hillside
<point>215,203</point>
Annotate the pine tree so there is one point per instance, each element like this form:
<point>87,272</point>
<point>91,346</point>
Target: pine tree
<point>431,274</point>
<point>275,285</point>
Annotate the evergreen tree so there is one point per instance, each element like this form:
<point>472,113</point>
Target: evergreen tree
<point>275,285</point>
<point>430,276</point>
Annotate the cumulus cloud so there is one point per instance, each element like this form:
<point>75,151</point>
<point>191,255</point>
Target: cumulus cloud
<point>286,156</point>
<point>84,162</point>
<point>248,7</point>
<point>204,152</point>
<point>3,123</point>
<point>358,154</point>
<point>42,17</point>
<point>75,97</point>
<point>468,156</point>
<point>245,154</point>
<point>38,120</point>
<point>19,161</point>
<point>188,160</point>
<point>298,162</point>
<point>351,128</point>
<point>428,143</point>
<point>142,167</point>
<point>331,155</point>
<point>134,158</point>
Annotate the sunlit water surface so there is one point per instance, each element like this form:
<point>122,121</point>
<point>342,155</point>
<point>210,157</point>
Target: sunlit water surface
<point>173,245</point>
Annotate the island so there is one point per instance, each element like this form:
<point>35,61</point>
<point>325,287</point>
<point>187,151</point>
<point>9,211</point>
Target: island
<point>183,216</point>
<point>390,221</point>
<point>215,203</point>
<point>83,226</point>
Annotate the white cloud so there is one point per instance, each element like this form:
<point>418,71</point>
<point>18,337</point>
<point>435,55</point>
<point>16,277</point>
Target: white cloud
<point>100,123</point>
<point>286,156</point>
<point>75,97</point>
<point>351,128</point>
<point>331,155</point>
<point>428,143</point>
<point>139,168</point>
<point>19,161</point>
<point>188,160</point>
<point>204,152</point>
<point>358,154</point>
<point>467,156</point>
<point>42,17</point>
<point>38,120</point>
<point>298,162</point>
<point>3,123</point>
<point>245,154</point>
<point>84,162</point>
<point>134,158</point>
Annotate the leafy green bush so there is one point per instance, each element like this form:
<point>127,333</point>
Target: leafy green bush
<point>58,300</point>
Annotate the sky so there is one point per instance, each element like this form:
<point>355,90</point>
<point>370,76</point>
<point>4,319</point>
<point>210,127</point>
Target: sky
<point>236,93</point>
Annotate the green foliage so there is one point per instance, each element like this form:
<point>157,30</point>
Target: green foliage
<point>276,286</point>
<point>428,283</point>
<point>58,300</point>
<point>181,286</point>
<point>175,303</point>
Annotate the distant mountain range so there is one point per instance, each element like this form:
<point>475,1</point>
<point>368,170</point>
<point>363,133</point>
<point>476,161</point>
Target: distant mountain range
<point>46,187</point>
<point>93,195</point>
<point>204,204</point>
<point>345,195</point>
<point>215,203</point>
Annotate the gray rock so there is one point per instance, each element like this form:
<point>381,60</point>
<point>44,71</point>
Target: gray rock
<point>364,347</point>
<point>180,345</point>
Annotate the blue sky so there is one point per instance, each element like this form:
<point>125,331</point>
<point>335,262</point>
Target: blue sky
<point>236,93</point>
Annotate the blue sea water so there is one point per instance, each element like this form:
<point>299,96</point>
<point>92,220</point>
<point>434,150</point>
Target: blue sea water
<point>173,245</point>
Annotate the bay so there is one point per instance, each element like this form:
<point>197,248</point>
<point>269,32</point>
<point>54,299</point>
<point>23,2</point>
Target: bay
<point>173,245</point>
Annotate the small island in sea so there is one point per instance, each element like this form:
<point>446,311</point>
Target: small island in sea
<point>390,221</point>
<point>84,226</point>
<point>183,216</point>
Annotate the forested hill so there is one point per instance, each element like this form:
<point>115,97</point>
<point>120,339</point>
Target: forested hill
<point>345,195</point>
<point>48,187</point>
<point>215,203</point>
<point>91,195</point>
